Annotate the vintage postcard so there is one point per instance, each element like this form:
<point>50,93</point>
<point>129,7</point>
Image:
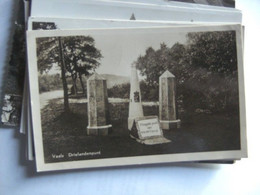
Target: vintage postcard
<point>67,23</point>
<point>112,97</point>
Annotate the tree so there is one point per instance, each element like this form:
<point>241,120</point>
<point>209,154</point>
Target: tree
<point>47,53</point>
<point>74,55</point>
<point>205,69</point>
<point>63,75</point>
<point>154,63</point>
<point>213,59</point>
<point>50,52</point>
<point>47,50</point>
<point>81,57</point>
<point>214,51</point>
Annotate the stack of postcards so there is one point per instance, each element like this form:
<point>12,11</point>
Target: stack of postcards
<point>113,82</point>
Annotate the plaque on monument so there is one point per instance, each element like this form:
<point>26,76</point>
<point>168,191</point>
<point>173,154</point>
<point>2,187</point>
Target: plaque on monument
<point>147,130</point>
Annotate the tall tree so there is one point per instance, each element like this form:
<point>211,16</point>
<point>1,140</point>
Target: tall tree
<point>81,57</point>
<point>52,58</point>
<point>63,76</point>
<point>50,52</point>
<point>75,55</point>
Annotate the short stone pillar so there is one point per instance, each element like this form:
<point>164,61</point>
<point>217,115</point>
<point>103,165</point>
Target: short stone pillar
<point>135,105</point>
<point>98,111</point>
<point>167,102</point>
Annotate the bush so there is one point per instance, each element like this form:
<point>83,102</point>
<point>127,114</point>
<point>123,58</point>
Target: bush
<point>119,91</point>
<point>148,93</point>
<point>49,83</point>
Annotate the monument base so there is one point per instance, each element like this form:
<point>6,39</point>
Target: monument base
<point>99,130</point>
<point>147,130</point>
<point>168,125</point>
<point>152,141</point>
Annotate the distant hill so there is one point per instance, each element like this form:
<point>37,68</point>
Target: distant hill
<point>113,80</point>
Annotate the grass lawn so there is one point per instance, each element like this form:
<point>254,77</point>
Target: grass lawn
<point>65,133</point>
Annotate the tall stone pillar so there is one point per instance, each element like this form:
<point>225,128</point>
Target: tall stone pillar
<point>167,102</point>
<point>98,111</point>
<point>135,105</point>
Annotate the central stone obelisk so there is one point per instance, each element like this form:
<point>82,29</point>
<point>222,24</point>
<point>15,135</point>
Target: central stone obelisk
<point>144,129</point>
<point>98,111</point>
<point>135,105</point>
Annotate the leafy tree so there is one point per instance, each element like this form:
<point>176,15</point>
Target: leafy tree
<point>214,51</point>
<point>81,57</point>
<point>205,70</point>
<point>119,91</point>
<point>47,53</point>
<point>50,52</point>
<point>213,60</point>
<point>74,55</point>
<point>154,63</point>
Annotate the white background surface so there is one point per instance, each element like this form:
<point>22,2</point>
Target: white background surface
<point>16,177</point>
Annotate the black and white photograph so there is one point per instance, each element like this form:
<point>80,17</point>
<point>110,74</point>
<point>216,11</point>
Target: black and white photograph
<point>128,96</point>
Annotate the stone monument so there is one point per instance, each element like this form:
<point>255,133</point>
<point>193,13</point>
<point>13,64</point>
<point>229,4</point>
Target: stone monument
<point>98,111</point>
<point>144,129</point>
<point>135,105</point>
<point>167,102</point>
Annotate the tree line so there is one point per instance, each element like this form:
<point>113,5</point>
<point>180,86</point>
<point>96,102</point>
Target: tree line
<point>205,70</point>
